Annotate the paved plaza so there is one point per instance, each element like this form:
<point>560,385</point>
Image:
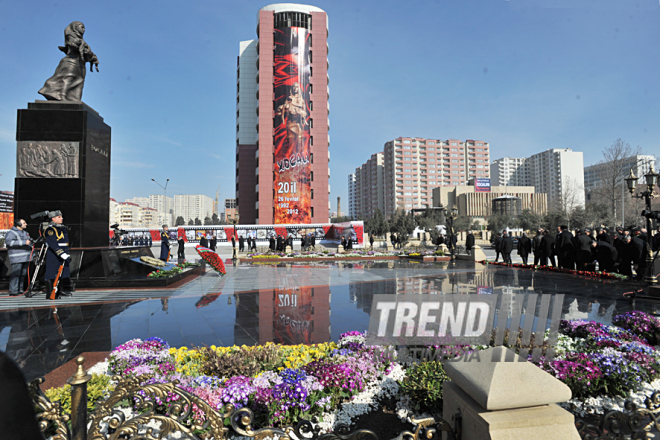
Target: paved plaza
<point>288,303</point>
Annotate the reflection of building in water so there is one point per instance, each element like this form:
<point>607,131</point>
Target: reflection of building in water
<point>294,313</point>
<point>590,311</point>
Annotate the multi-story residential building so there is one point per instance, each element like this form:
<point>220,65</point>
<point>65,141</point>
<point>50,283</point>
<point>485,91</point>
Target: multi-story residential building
<point>193,206</point>
<point>351,196</point>
<point>411,168</point>
<point>639,164</point>
<point>165,207</point>
<point>369,187</point>
<point>132,215</point>
<point>142,202</point>
<point>509,171</point>
<point>414,166</point>
<point>558,172</point>
<point>282,118</point>
<point>473,204</point>
<point>230,210</point>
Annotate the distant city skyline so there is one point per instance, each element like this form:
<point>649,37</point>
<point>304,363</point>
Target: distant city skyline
<point>525,76</point>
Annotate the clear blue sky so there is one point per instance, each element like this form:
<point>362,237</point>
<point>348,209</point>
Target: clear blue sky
<point>524,75</point>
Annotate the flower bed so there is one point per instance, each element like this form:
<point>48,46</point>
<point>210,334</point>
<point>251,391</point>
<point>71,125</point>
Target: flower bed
<point>334,383</point>
<point>560,269</point>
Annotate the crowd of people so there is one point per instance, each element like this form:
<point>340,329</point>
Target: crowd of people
<point>622,250</point>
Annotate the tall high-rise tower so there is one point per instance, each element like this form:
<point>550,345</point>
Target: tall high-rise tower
<point>282,118</point>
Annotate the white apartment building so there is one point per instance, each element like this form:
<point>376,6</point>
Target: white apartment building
<point>556,172</point>
<point>131,215</point>
<point>639,164</point>
<point>140,201</point>
<point>509,171</point>
<point>192,206</point>
<point>351,195</point>
<point>165,207</point>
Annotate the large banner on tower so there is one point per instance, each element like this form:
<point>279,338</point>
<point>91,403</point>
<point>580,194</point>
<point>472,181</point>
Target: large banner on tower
<point>292,167</point>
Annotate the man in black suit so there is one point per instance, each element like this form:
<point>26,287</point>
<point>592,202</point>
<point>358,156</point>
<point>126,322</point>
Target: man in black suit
<point>181,249</point>
<point>469,242</point>
<point>271,242</point>
<point>547,249</point>
<point>241,244</point>
<point>606,255</point>
<point>536,246</point>
<point>204,242</point>
<point>498,247</point>
<point>249,242</point>
<point>524,247</point>
<point>625,255</point>
<point>565,248</point>
<point>583,250</point>
<point>639,251</point>
<point>213,243</point>
<point>507,247</point>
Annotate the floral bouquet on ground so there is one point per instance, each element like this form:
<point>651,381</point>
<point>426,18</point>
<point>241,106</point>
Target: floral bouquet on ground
<point>212,258</point>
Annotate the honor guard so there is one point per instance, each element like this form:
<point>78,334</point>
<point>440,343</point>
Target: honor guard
<point>164,245</point>
<point>58,256</point>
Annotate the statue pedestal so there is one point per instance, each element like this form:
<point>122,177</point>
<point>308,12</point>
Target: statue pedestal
<point>63,163</point>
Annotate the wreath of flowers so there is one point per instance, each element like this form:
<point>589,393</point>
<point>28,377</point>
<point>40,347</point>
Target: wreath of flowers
<point>561,270</point>
<point>206,300</point>
<point>212,258</point>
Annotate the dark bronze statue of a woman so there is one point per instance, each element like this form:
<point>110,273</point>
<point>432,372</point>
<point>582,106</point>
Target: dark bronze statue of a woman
<point>69,78</point>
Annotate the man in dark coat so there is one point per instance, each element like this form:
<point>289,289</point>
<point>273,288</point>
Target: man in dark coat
<point>241,244</point>
<point>583,250</point>
<point>524,247</point>
<point>393,240</point>
<point>639,251</point>
<point>343,243</point>
<point>165,244</point>
<point>606,255</point>
<point>507,247</point>
<point>547,249</point>
<point>271,242</point>
<point>349,243</point>
<point>181,249</point>
<point>254,243</point>
<point>625,255</point>
<point>280,243</point>
<point>204,242</point>
<point>57,239</point>
<point>213,243</point>
<point>469,242</point>
<point>371,241</point>
<point>233,241</point>
<point>565,248</point>
<point>536,246</point>
<point>249,242</point>
<point>313,240</point>
<point>498,247</point>
<point>289,242</point>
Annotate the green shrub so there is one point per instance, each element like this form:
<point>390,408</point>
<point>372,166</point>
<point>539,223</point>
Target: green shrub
<point>424,385</point>
<point>97,388</point>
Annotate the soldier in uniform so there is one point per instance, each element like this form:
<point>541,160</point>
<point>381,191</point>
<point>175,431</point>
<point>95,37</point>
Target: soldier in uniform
<point>164,244</point>
<point>57,240</point>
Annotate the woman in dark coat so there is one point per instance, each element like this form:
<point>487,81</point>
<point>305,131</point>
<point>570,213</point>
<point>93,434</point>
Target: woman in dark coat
<point>524,247</point>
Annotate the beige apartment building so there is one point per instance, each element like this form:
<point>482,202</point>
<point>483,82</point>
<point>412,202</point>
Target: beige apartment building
<point>478,204</point>
<point>411,168</point>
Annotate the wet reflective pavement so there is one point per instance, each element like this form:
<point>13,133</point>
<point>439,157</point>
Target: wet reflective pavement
<point>285,303</point>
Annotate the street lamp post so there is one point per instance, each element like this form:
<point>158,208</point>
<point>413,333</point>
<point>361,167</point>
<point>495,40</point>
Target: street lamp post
<point>651,181</point>
<point>451,216</point>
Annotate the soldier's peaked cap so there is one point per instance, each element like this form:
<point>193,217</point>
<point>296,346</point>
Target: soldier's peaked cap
<point>53,214</point>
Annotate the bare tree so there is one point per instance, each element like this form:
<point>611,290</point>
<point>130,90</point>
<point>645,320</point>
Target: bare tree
<point>570,197</point>
<point>611,172</point>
